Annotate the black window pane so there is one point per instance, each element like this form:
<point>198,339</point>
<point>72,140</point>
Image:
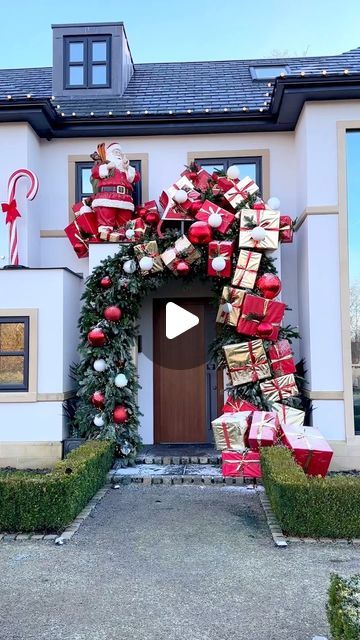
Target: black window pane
<point>76,76</point>
<point>11,370</point>
<point>99,51</point>
<point>76,51</point>
<point>98,74</point>
<point>11,336</point>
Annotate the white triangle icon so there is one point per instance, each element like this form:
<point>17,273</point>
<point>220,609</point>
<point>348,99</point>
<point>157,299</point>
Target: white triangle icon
<point>178,320</point>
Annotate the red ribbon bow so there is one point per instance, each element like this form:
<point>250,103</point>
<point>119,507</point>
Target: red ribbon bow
<point>11,211</point>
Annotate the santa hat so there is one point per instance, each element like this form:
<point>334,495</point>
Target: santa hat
<point>80,208</point>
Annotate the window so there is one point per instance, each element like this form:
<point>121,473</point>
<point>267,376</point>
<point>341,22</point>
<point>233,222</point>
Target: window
<point>14,353</point>
<point>248,166</point>
<point>87,62</point>
<point>353,195</point>
<point>269,72</point>
<point>83,186</point>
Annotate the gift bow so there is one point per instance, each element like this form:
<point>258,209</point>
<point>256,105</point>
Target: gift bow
<point>11,210</point>
<point>243,191</point>
<point>280,389</point>
<point>259,223</point>
<point>216,251</point>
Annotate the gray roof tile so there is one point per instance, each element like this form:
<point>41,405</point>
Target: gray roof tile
<point>177,86</point>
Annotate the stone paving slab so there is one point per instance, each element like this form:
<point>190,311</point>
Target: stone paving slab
<point>168,563</point>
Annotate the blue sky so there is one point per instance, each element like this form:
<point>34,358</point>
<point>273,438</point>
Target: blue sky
<point>160,30</point>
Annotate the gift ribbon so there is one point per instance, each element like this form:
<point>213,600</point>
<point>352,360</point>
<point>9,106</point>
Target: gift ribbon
<point>253,364</point>
<point>240,464</point>
<point>235,191</point>
<point>226,435</point>
<point>280,389</point>
<point>217,248</point>
<point>260,223</point>
<point>239,278</point>
<point>264,422</point>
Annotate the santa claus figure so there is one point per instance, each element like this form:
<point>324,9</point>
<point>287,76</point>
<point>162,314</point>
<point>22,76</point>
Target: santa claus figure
<point>113,179</point>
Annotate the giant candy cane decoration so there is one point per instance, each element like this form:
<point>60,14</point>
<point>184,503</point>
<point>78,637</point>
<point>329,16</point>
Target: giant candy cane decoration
<point>11,210</point>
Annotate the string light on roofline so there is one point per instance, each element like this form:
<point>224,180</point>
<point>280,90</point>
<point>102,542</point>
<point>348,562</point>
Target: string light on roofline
<point>302,73</point>
<point>146,112</point>
<point>346,71</point>
<point>128,113</point>
<point>73,114</point>
<point>9,97</point>
<point>269,84</point>
<point>207,110</point>
<point>110,113</point>
<point>92,113</point>
<point>170,113</point>
<point>28,95</point>
<point>189,110</point>
<point>245,109</point>
<point>324,72</point>
<point>226,109</point>
<point>63,114</point>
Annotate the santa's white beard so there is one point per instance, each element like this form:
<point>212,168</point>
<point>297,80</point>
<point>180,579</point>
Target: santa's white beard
<point>117,162</point>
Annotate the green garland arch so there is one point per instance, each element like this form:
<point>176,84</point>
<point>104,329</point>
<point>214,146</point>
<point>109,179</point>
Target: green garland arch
<point>128,292</point>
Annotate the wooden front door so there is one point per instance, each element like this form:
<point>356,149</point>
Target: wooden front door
<point>181,378</point>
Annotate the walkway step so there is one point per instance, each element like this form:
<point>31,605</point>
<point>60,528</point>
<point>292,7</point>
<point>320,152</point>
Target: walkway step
<point>170,460</point>
<point>172,474</point>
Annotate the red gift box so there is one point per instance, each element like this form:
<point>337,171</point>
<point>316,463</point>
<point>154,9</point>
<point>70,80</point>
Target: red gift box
<point>198,176</point>
<point>225,249</point>
<point>80,244</point>
<point>208,208</point>
<point>88,223</point>
<point>174,210</point>
<point>259,315</point>
<point>225,183</point>
<point>286,229</point>
<point>263,429</point>
<point>281,358</point>
<point>311,451</point>
<point>241,465</point>
<point>233,405</point>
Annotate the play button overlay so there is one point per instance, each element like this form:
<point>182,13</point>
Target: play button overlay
<point>178,320</point>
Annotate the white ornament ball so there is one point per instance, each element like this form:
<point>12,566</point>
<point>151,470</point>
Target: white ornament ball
<point>129,266</point>
<point>100,365</point>
<point>218,263</point>
<point>99,420</point>
<point>125,448</point>
<point>274,203</point>
<point>233,172</point>
<point>146,263</point>
<point>120,380</point>
<point>258,234</point>
<point>180,196</point>
<point>227,307</point>
<point>130,233</point>
<point>215,220</point>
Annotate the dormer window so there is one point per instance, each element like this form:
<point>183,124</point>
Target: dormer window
<point>269,72</point>
<point>87,62</point>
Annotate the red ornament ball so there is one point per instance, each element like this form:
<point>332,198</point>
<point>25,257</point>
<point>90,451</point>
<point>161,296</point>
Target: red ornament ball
<point>264,330</point>
<point>96,337</point>
<point>120,414</point>
<point>152,218</point>
<point>199,233</point>
<point>182,268</point>
<point>105,282</point>
<point>269,285</point>
<point>141,211</point>
<point>113,314</point>
<point>98,399</point>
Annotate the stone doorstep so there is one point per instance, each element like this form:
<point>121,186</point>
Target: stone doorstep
<point>68,532</point>
<point>168,460</point>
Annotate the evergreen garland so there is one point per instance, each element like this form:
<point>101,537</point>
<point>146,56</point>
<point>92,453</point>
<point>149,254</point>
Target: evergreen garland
<point>128,291</point>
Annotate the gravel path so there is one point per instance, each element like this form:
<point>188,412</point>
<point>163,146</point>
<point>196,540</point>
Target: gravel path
<point>169,563</point>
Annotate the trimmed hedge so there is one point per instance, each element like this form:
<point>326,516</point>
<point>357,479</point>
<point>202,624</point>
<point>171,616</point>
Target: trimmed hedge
<point>343,608</point>
<point>48,502</point>
<point>310,506</point>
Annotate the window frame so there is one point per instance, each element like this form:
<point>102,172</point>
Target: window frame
<point>254,77</point>
<point>80,165</point>
<point>24,353</point>
<point>257,160</point>
<point>87,63</point>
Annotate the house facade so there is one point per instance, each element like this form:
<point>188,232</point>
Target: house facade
<point>291,125</point>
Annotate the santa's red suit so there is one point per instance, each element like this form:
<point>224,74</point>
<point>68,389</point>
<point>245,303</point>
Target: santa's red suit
<point>113,202</point>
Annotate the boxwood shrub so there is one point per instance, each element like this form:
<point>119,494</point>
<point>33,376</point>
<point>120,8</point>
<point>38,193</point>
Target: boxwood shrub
<point>343,608</point>
<point>47,502</point>
<point>310,506</point>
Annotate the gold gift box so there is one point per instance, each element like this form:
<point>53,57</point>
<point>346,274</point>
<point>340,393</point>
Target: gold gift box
<point>229,430</point>
<point>246,269</point>
<point>289,415</point>
<point>183,248</point>
<point>268,220</point>
<point>279,388</point>
<point>247,362</point>
<point>235,297</point>
<point>149,249</point>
